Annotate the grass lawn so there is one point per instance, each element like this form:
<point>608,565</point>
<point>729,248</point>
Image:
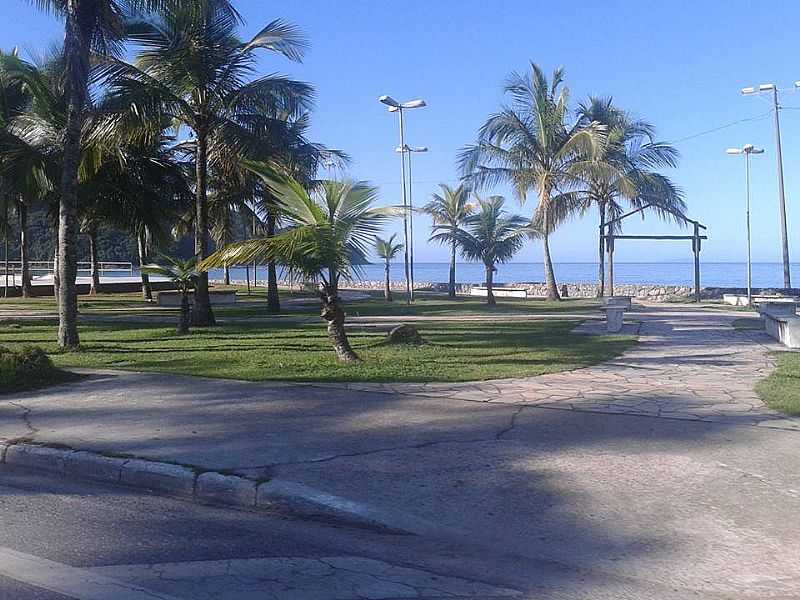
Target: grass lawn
<point>748,323</point>
<point>781,390</point>
<point>456,351</point>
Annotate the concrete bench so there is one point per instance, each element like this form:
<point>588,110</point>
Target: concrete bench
<point>500,292</point>
<point>741,300</point>
<point>623,301</point>
<point>214,297</point>
<point>784,328</point>
<point>614,318</point>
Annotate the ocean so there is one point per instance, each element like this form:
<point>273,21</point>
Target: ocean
<point>679,273</point>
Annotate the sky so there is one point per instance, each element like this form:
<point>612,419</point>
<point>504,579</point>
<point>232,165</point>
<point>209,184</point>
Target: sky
<point>680,65</point>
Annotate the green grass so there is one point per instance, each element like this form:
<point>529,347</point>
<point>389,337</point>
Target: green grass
<point>745,324</point>
<point>456,351</point>
<point>781,390</point>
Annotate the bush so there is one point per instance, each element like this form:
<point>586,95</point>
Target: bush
<point>27,367</point>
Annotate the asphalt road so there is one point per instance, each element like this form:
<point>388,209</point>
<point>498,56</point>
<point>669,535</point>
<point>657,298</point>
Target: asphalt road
<point>62,539</point>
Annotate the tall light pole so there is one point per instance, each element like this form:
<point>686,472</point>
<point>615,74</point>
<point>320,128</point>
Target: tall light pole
<point>399,108</point>
<point>410,150</point>
<point>771,87</point>
<point>747,150</point>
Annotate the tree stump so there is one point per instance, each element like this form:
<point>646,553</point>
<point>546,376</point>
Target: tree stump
<point>404,334</point>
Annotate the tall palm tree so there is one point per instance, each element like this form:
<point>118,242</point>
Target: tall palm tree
<point>387,250</point>
<point>631,155</point>
<point>531,145</point>
<point>492,236</point>
<point>327,238</point>
<point>194,69</point>
<point>91,26</point>
<point>449,210</point>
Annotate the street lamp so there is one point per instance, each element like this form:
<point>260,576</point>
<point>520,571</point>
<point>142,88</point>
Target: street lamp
<point>410,150</point>
<point>771,87</point>
<point>747,150</point>
<point>399,108</point>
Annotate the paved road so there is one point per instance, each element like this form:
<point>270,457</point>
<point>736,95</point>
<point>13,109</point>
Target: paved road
<point>63,540</point>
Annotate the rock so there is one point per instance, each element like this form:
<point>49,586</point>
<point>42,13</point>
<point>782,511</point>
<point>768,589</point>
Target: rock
<point>404,334</point>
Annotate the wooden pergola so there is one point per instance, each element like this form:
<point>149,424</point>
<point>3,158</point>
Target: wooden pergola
<point>608,239</point>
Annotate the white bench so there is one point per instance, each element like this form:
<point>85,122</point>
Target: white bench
<point>741,300</point>
<point>173,298</point>
<point>623,301</point>
<point>781,322</point>
<point>614,318</point>
<point>500,292</point>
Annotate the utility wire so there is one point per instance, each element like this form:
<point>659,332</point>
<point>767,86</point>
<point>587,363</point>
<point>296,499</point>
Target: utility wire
<point>721,127</point>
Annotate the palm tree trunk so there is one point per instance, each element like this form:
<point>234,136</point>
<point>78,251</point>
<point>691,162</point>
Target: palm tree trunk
<point>22,213</point>
<point>201,313</point>
<point>7,266</point>
<point>601,266</point>
<point>549,273</point>
<point>186,314</point>
<point>226,275</point>
<point>76,49</point>
<point>56,282</point>
<point>387,290</point>
<point>490,285</point>
<point>273,299</point>
<point>147,289</point>
<point>333,313</point>
<point>95,262</point>
<point>451,287</point>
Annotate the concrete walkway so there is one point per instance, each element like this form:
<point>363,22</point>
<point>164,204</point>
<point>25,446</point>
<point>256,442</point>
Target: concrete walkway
<point>662,467</point>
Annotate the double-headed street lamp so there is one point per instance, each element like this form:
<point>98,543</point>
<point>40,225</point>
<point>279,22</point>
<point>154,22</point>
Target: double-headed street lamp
<point>771,87</point>
<point>747,150</point>
<point>399,108</point>
<point>411,150</point>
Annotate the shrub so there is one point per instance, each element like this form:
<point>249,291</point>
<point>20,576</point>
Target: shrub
<point>25,368</point>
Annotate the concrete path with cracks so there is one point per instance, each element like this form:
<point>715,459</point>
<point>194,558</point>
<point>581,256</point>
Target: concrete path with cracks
<point>690,364</point>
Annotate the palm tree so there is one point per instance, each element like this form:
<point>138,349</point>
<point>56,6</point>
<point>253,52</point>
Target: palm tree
<point>91,27</point>
<point>531,145</point>
<point>449,210</point>
<point>193,69</point>
<point>184,275</point>
<point>492,236</point>
<point>387,250</point>
<point>326,239</point>
<point>631,154</point>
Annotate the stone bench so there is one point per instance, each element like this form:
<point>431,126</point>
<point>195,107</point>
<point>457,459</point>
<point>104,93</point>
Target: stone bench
<point>215,298</point>
<point>741,300</point>
<point>623,301</point>
<point>614,318</point>
<point>500,292</point>
<point>785,329</point>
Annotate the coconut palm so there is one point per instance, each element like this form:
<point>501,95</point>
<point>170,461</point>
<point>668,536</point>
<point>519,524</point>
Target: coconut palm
<point>193,69</point>
<point>91,27</point>
<point>631,153</point>
<point>387,250</point>
<point>492,236</point>
<point>448,211</point>
<point>184,275</point>
<point>328,233</point>
<point>532,146</point>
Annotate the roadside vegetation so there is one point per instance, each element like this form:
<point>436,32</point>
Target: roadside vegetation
<point>26,367</point>
<point>454,351</point>
<point>781,390</point>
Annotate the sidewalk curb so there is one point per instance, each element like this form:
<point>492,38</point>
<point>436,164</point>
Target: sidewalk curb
<point>207,486</point>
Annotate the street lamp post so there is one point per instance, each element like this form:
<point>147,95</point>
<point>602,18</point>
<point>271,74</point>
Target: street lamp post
<point>747,150</point>
<point>399,108</point>
<point>410,150</point>
<point>771,87</point>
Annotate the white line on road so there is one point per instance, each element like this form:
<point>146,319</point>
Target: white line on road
<point>75,582</point>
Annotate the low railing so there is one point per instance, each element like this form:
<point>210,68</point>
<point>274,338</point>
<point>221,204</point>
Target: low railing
<point>43,267</point>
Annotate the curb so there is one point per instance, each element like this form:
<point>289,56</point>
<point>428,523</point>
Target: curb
<point>208,487</point>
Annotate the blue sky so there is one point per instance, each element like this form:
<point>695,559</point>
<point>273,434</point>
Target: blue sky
<point>678,64</point>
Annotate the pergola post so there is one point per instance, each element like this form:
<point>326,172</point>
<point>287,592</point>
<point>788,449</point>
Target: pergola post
<point>610,244</point>
<point>696,249</point>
